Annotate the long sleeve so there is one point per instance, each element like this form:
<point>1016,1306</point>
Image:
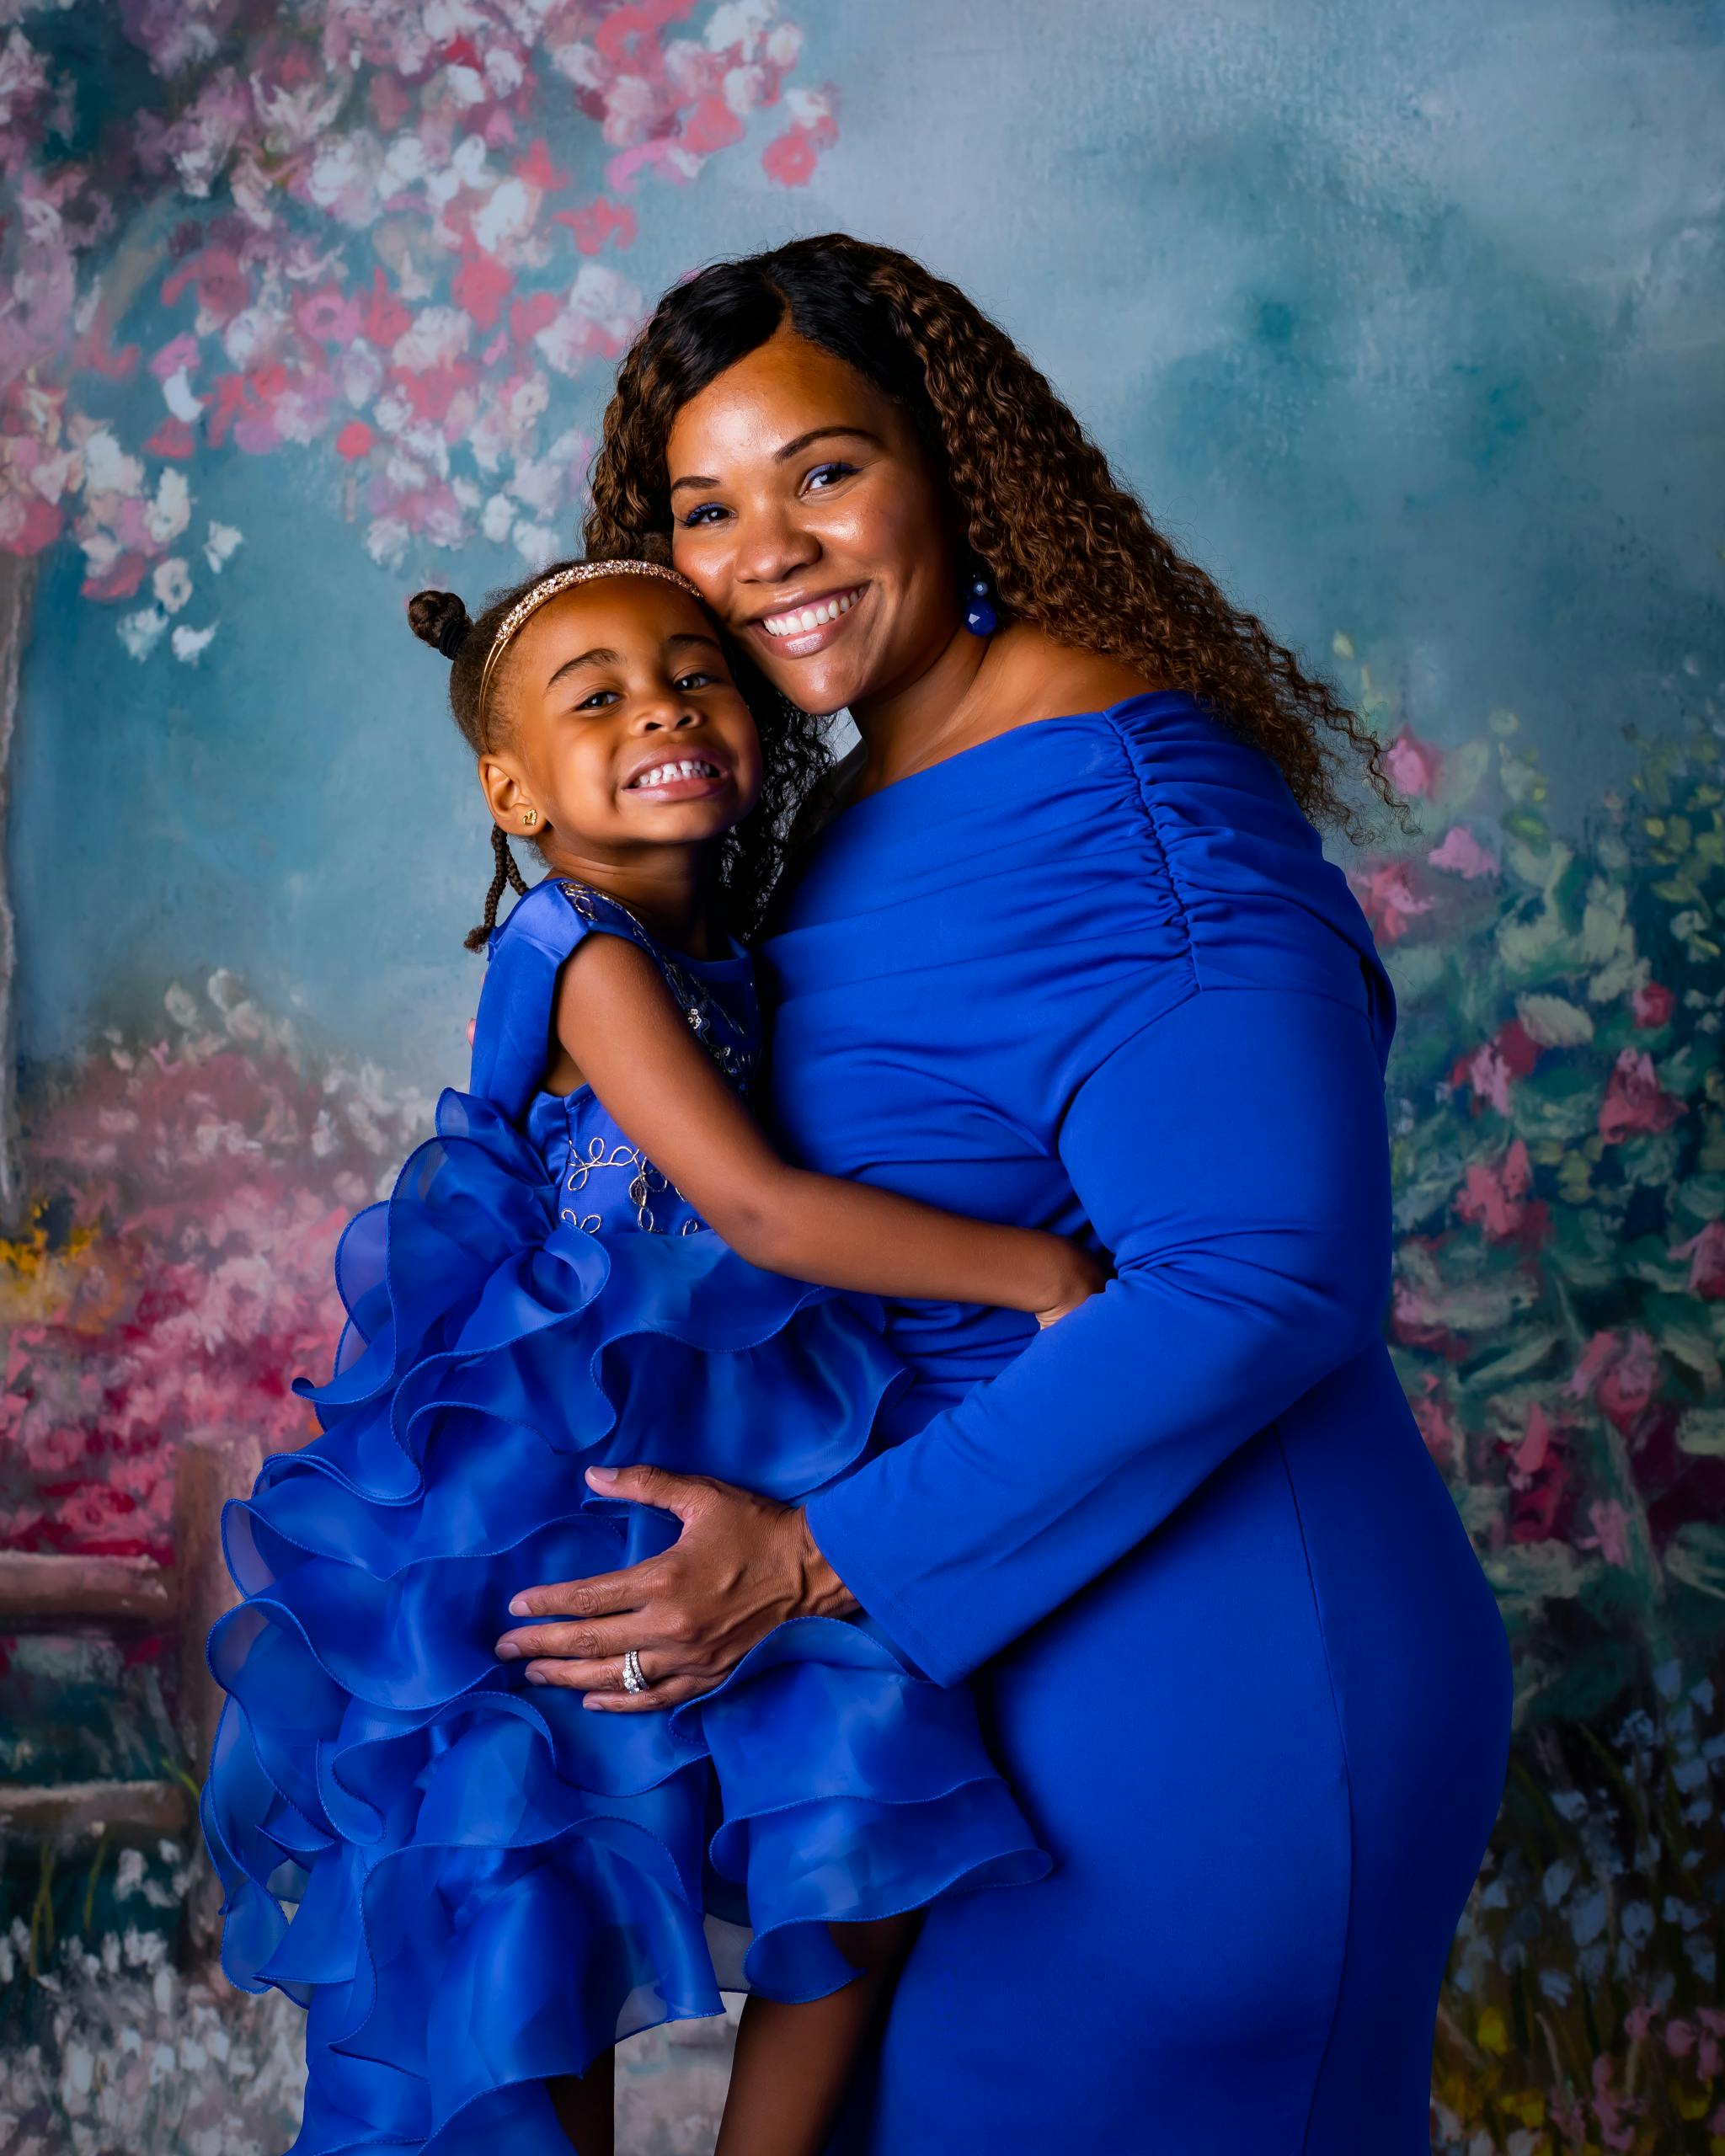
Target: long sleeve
<point>1232,1156</point>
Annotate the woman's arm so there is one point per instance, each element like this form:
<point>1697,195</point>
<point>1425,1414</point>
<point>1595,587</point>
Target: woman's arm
<point>633,1045</point>
<point>1234,1156</point>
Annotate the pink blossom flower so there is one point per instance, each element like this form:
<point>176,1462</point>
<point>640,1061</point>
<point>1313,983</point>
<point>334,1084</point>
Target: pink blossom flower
<point>328,316</point>
<point>481,286</point>
<point>1436,1420</point>
<point>1652,1005</point>
<point>1611,1534</point>
<point>1705,1253</point>
<point>597,221</point>
<point>1412,764</point>
<point>1634,1103</point>
<point>1621,1372</point>
<point>1487,1071</point>
<point>1539,1476</point>
<point>1493,1194</point>
<point>1462,854</point>
<point>1388,899</point>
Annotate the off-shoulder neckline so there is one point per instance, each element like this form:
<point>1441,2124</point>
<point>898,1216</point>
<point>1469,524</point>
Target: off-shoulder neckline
<point>993,741</point>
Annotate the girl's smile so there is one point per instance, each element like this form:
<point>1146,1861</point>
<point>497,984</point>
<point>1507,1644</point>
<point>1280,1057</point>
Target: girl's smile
<point>686,778</point>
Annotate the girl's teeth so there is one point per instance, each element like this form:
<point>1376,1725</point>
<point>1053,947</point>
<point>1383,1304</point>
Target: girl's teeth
<point>811,618</point>
<point>662,773</point>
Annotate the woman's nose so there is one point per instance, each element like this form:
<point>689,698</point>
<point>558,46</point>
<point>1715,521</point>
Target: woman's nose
<point>772,547</point>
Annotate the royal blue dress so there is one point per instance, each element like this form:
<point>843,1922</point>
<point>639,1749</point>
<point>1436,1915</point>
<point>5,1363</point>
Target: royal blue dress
<point>490,1886</point>
<point>1232,1646</point>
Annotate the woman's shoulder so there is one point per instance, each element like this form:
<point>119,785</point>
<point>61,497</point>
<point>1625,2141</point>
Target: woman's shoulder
<point>1261,904</point>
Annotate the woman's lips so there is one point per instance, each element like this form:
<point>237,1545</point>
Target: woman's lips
<point>800,631</point>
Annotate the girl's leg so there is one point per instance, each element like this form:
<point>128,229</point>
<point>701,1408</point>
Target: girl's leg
<point>792,2062</point>
<point>585,2106</point>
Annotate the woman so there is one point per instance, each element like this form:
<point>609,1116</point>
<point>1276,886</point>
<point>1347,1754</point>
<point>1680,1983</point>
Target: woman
<point>1067,951</point>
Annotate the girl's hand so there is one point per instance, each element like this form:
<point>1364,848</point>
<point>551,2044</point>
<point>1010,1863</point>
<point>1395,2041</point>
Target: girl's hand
<point>1086,1277</point>
<point>743,1564</point>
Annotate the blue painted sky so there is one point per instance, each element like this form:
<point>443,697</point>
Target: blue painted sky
<point>1406,319</point>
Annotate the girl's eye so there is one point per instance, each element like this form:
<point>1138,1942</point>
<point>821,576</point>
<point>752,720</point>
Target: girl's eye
<point>598,700</point>
<point>698,680</point>
<point>826,474</point>
<point>702,512</point>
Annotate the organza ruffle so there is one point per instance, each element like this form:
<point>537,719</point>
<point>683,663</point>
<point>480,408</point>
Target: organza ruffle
<point>492,1885</point>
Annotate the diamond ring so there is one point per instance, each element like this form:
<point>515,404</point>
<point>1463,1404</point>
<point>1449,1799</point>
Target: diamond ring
<point>634,1681</point>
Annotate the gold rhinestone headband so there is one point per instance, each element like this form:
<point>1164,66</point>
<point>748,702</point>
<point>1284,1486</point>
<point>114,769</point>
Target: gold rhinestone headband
<point>548,587</point>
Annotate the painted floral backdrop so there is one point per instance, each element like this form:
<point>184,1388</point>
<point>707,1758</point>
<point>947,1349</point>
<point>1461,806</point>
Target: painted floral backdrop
<point>389,245</point>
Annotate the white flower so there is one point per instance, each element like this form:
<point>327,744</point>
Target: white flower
<point>108,470</point>
<point>508,216</point>
<point>537,543</point>
<point>171,511</point>
<point>436,337</point>
<point>253,333</point>
<point>142,632</point>
<point>739,22</point>
<point>220,545</point>
<point>178,394</point>
<point>386,541</point>
<point>188,643</point>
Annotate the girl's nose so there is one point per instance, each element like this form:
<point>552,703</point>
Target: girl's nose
<point>663,713</point>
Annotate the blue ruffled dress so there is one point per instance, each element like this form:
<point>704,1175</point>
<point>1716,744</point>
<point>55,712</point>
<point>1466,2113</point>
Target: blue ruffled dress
<point>488,1885</point>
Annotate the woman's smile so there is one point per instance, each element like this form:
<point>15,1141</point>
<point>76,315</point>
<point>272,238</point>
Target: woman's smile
<point>804,625</point>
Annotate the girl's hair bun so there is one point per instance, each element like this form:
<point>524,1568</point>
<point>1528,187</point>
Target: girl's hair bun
<point>439,618</point>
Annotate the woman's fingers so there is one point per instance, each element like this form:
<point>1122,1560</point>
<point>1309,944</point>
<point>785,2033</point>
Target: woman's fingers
<point>665,1692</point>
<point>583,1642</point>
<point>603,1683</point>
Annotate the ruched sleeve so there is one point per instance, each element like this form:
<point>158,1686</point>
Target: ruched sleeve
<point>1232,1156</point>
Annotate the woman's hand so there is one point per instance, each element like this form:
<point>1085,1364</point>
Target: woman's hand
<point>1086,1276</point>
<point>742,1564</point>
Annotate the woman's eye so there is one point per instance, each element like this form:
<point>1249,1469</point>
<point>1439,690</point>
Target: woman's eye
<point>826,474</point>
<point>702,512</point>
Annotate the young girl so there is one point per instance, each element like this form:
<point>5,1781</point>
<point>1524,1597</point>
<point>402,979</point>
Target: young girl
<point>598,1259</point>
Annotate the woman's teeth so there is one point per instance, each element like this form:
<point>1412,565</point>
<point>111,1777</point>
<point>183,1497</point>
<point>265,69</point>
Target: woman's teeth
<point>663,773</point>
<point>804,618</point>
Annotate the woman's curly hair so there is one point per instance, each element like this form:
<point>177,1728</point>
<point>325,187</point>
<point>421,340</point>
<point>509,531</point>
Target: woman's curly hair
<point>1067,545</point>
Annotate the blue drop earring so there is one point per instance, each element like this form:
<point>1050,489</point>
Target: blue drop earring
<point>979,616</point>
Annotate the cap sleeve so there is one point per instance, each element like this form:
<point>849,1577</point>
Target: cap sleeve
<point>512,1032</point>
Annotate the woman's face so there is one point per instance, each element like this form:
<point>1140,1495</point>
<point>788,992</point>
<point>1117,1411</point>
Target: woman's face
<point>805,508</point>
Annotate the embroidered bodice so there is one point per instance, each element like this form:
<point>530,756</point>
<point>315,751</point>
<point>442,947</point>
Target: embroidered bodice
<point>605,1183</point>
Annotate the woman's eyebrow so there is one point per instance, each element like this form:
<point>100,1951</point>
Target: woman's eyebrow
<point>788,449</point>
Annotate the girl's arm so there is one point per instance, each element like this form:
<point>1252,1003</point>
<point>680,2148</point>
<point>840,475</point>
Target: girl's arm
<point>619,1022</point>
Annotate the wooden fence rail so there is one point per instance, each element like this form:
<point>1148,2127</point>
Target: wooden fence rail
<point>119,1595</point>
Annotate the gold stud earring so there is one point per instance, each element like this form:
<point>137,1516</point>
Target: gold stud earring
<point>530,817</point>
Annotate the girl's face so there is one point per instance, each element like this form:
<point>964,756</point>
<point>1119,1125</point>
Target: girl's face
<point>622,727</point>
<point>806,508</point>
